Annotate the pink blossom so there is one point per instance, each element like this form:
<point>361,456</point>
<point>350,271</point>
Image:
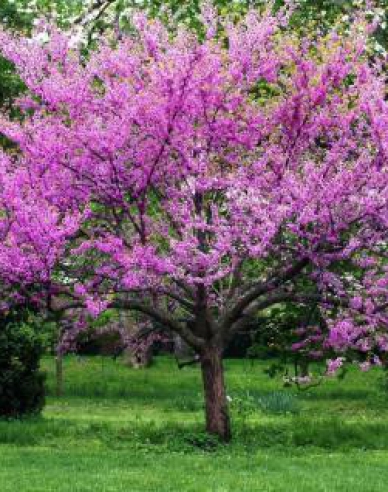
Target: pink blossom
<point>333,365</point>
<point>157,170</point>
<point>365,366</point>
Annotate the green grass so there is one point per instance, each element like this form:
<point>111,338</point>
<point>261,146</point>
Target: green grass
<point>119,429</point>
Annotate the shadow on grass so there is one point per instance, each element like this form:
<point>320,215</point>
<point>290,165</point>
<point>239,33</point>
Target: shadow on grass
<point>292,433</point>
<point>341,394</point>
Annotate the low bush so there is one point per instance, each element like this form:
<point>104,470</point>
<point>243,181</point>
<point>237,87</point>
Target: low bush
<point>21,381</point>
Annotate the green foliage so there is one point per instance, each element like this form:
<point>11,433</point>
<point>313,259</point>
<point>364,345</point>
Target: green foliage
<point>10,84</point>
<point>276,331</point>
<point>12,16</point>
<point>21,381</point>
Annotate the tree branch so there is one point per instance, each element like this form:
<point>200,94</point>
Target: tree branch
<point>260,289</point>
<point>156,314</point>
<point>277,298</point>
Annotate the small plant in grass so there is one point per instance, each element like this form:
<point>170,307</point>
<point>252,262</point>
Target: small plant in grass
<point>276,402</point>
<point>279,402</point>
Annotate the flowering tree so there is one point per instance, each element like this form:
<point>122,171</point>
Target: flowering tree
<point>200,182</point>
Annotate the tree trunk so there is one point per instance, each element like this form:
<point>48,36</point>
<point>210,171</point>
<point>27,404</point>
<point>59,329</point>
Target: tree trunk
<point>216,404</point>
<point>304,367</point>
<point>59,374</point>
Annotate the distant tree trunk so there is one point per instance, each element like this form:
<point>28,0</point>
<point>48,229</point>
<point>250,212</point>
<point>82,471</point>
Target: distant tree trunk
<point>216,404</point>
<point>181,349</point>
<point>138,360</point>
<point>59,375</point>
<point>303,365</point>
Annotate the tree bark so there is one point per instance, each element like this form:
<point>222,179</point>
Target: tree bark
<point>216,404</point>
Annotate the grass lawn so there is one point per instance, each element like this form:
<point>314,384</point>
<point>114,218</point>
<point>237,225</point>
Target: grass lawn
<point>119,429</point>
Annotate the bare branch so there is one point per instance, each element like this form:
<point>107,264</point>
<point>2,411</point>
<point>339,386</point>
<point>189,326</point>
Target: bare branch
<point>156,314</point>
<point>277,298</point>
<point>258,290</point>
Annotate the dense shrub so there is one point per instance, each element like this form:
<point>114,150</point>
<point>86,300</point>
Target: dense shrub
<point>21,381</point>
<point>94,343</point>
